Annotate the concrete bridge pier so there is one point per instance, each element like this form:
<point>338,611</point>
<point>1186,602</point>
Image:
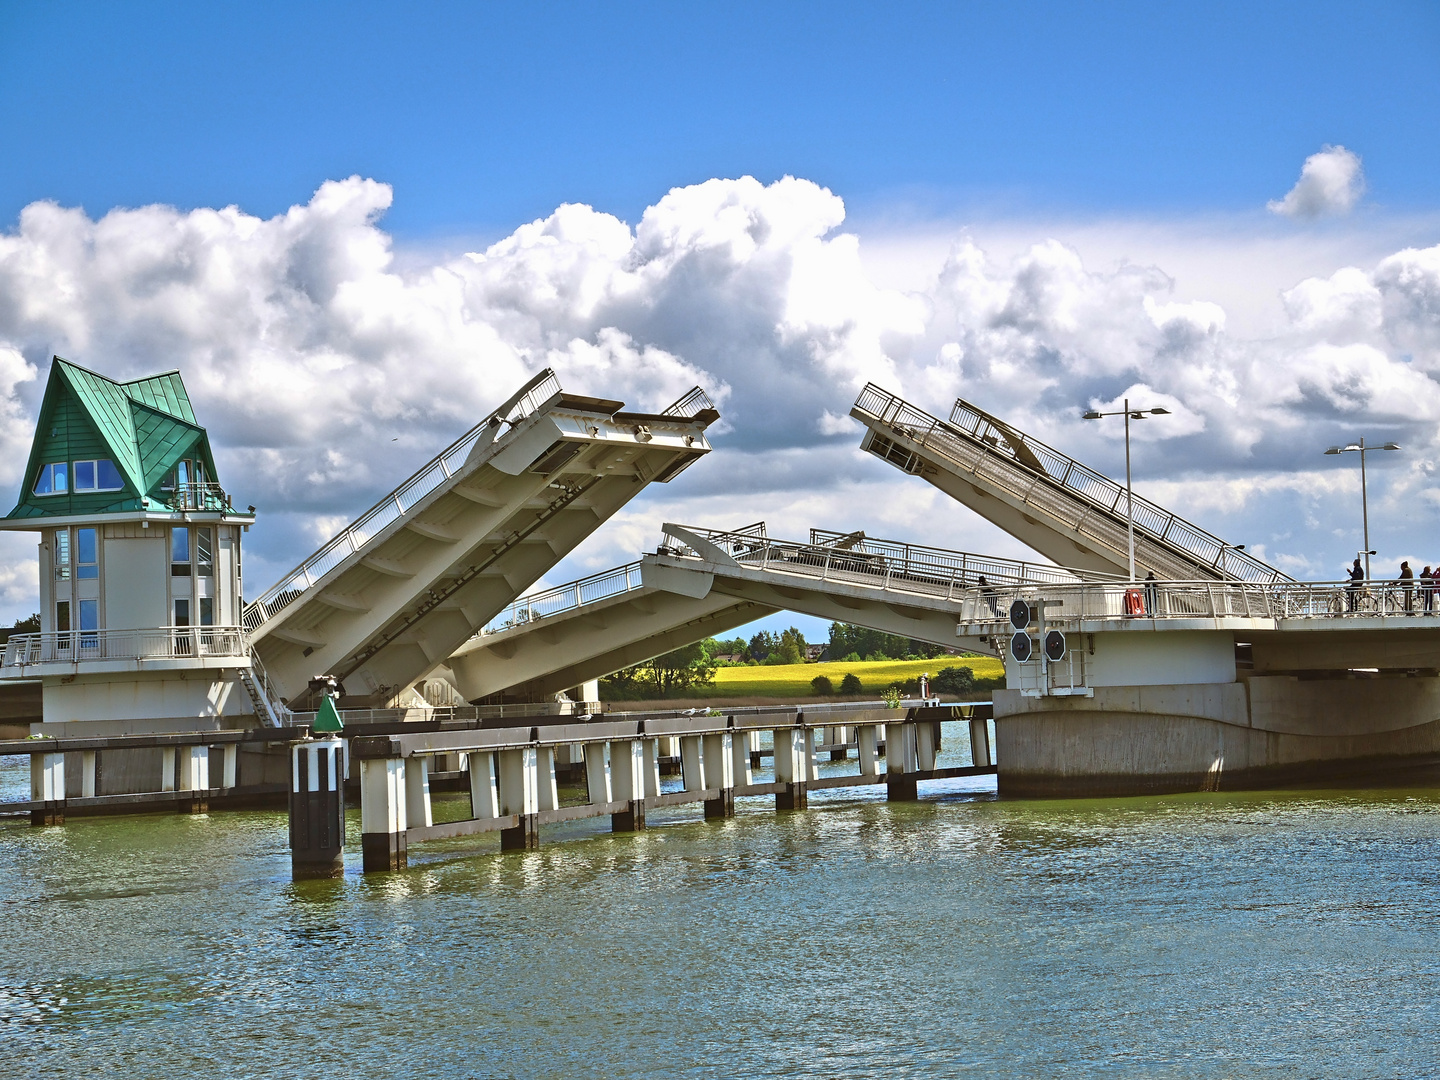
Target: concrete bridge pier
<point>742,761</point>
<point>717,753</point>
<point>868,738</point>
<point>47,785</point>
<point>417,793</point>
<point>484,786</point>
<point>195,778</point>
<point>520,795</point>
<point>382,814</point>
<point>597,773</point>
<point>628,783</point>
<point>794,766</point>
<point>980,753</point>
<point>317,808</point>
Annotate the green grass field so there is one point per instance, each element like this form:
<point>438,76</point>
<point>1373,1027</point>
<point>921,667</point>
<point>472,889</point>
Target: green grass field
<point>793,680</point>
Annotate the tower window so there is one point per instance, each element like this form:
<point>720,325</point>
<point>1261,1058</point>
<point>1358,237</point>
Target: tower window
<point>54,479</point>
<point>62,554</point>
<point>98,475</point>
<point>204,553</point>
<point>87,555</point>
<point>180,552</point>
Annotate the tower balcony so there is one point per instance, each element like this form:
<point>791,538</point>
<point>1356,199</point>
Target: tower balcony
<point>100,652</point>
<point>202,497</point>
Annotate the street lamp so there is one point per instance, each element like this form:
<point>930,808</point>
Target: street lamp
<point>1129,414</point>
<point>1361,448</point>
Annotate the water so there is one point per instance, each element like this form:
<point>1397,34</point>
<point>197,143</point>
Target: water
<point>1286,934</point>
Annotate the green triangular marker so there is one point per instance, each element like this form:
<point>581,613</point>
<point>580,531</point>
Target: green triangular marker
<point>326,718</point>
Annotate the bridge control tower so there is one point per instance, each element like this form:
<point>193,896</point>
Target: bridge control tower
<point>139,558</point>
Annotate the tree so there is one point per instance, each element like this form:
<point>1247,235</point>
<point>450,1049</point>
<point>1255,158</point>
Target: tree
<point>822,685</point>
<point>851,684</point>
<point>762,645</point>
<point>661,677</point>
<point>953,680</point>
<point>862,641</point>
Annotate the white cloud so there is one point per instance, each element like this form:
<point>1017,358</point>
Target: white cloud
<point>327,368</point>
<point>1331,183</point>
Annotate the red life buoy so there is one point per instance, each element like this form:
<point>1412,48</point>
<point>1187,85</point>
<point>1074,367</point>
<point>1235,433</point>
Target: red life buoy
<point>1134,602</point>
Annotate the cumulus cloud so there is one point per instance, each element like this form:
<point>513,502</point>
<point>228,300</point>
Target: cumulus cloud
<point>1331,183</point>
<point>327,368</point>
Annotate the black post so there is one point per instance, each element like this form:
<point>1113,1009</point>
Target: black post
<point>317,808</point>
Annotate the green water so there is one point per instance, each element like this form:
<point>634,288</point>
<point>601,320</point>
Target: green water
<point>1274,934</point>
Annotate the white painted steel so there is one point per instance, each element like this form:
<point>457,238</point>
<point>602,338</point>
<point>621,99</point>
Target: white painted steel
<point>484,786</point>
<point>383,795</point>
<point>417,793</point>
<point>597,773</point>
<point>88,761</point>
<point>47,777</point>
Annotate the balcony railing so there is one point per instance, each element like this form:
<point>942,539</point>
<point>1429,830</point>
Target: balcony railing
<point>199,497</point>
<point>161,643</point>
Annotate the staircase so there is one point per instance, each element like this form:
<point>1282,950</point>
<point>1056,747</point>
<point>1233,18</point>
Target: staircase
<point>267,704</point>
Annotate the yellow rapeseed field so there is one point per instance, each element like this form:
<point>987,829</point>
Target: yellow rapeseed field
<point>793,680</point>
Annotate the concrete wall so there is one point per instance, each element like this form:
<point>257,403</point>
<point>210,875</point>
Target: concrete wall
<point>1147,658</point>
<point>178,701</point>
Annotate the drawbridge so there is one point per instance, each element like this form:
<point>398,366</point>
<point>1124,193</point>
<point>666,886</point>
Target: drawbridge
<point>1054,504</point>
<point>413,578</point>
<point>703,582</point>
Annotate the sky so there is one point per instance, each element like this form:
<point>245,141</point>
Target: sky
<point>355,228</point>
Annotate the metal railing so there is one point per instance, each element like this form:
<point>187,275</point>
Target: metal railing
<point>883,564</point>
<point>563,598</point>
<point>526,402</point>
<point>160,643</point>
<point>693,402</point>
<point>1027,468</point>
<point>268,701</point>
<point>199,497</point>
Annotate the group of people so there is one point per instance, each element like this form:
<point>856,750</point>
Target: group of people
<point>1429,584</point>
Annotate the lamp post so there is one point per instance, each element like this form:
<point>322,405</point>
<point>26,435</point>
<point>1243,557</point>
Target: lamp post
<point>1361,448</point>
<point>1129,414</point>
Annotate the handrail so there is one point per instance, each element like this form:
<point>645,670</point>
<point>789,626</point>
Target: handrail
<point>694,401</point>
<point>279,713</point>
<point>525,402</point>
<point>157,643</point>
<point>568,597</point>
<point>992,438</point>
<point>195,496</point>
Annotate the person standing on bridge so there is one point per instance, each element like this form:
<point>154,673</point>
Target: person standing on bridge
<point>1152,592</point>
<point>1427,589</point>
<point>1357,582</point>
<point>988,592</point>
<point>1405,581</point>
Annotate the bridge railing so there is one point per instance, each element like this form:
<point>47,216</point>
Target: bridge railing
<point>885,564</point>
<point>692,402</point>
<point>526,402</point>
<point>563,598</point>
<point>978,443</point>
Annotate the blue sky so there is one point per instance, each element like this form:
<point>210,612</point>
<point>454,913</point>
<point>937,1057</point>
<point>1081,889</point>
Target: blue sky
<point>1051,205</point>
<point>482,116</point>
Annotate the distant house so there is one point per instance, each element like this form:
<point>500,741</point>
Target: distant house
<point>729,658</point>
<point>816,652</point>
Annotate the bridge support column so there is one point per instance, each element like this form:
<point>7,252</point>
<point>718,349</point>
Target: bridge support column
<point>838,737</point>
<point>597,773</point>
<point>89,766</point>
<point>794,750</point>
<point>484,790</point>
<point>980,743</point>
<point>741,762</point>
<point>652,767</point>
<point>167,768</point>
<point>692,763</point>
<point>927,746</point>
<point>382,814</point>
<point>720,772</point>
<point>47,786</point>
<point>195,778</point>
<point>902,761</point>
<point>627,784</point>
<point>520,795</point>
<point>317,808</point>
<point>230,766</point>
<point>417,793</point>
<point>867,737</point>
<point>546,791</point>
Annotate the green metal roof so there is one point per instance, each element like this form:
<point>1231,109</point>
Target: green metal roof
<point>144,427</point>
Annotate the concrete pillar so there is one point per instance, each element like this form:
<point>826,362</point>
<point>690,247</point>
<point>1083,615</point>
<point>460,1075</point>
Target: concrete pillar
<point>652,767</point>
<point>717,758</point>
<point>838,736</point>
<point>901,760</point>
<point>195,777</point>
<point>794,751</point>
<point>752,742</point>
<point>417,793</point>
<point>167,768</point>
<point>317,808</point>
<point>590,694</point>
<point>868,738</point>
<point>230,768</point>
<point>484,788</point>
<point>740,760</point>
<point>47,786</point>
<point>668,748</point>
<point>925,748</point>
<point>382,814</point>
<point>547,791</point>
<point>692,763</point>
<point>980,743</point>
<point>597,773</point>
<point>519,795</point>
<point>627,784</point>
<point>88,765</point>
